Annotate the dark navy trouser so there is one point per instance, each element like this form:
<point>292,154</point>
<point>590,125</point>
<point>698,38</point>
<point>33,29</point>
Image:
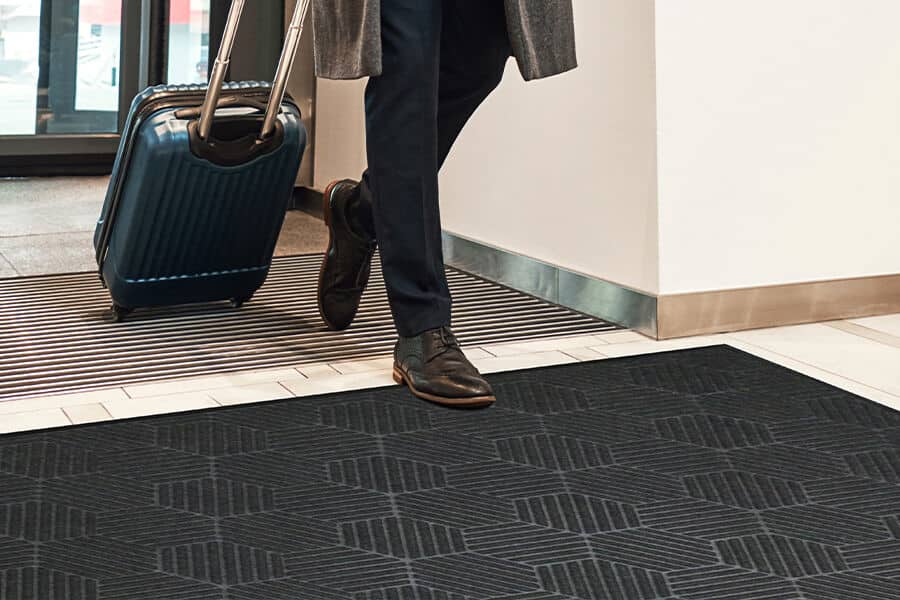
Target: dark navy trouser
<point>441,59</point>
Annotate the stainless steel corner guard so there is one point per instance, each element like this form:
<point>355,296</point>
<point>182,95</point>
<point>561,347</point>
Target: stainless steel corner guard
<point>592,296</point>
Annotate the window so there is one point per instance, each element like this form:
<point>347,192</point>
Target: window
<point>188,41</point>
<point>59,66</point>
<point>19,65</point>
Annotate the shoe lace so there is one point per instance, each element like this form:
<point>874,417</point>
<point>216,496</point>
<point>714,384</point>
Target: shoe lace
<point>448,338</point>
<point>448,342</point>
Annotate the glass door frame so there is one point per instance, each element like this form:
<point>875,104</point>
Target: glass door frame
<point>89,153</point>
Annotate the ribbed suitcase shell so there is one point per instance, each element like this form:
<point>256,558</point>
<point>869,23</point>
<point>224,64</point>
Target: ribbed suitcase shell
<point>181,229</point>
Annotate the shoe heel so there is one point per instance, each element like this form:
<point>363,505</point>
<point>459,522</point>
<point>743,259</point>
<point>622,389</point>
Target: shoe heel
<point>326,204</point>
<point>398,377</point>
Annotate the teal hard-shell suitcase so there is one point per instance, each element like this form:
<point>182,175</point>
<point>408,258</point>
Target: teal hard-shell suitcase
<point>200,186</point>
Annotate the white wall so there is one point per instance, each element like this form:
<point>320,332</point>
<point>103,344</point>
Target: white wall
<point>774,126</point>
<point>563,169</point>
<point>340,146</point>
<point>779,141</point>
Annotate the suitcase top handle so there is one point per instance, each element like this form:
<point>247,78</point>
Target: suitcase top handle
<point>279,84</point>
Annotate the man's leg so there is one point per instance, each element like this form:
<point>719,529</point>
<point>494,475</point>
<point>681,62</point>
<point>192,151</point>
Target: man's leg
<point>423,84</point>
<point>401,181</point>
<point>412,120</point>
<point>474,50</point>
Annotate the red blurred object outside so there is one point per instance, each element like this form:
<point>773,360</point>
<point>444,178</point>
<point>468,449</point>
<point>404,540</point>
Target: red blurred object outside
<point>108,12</point>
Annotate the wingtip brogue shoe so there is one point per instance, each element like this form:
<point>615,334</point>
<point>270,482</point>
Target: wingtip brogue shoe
<point>344,272</point>
<point>433,366</point>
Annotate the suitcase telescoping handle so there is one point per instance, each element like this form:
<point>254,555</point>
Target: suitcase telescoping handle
<point>279,84</point>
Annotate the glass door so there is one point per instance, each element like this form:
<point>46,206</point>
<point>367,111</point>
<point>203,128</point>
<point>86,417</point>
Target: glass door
<point>19,65</point>
<point>188,47</point>
<point>64,76</point>
<point>81,63</point>
<point>70,68</point>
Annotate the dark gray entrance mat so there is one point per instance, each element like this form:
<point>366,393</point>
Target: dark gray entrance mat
<point>698,474</point>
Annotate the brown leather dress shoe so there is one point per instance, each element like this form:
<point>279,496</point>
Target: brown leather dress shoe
<point>345,269</point>
<point>434,367</point>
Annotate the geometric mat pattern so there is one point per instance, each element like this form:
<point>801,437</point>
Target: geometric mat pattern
<point>703,474</point>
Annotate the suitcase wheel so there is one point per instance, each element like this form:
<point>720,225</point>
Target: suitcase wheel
<point>118,313</point>
<point>238,302</point>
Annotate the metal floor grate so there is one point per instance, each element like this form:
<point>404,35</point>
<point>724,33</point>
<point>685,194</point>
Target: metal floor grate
<point>54,337</point>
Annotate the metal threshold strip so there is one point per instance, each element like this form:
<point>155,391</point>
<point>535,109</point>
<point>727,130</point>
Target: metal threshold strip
<point>54,337</point>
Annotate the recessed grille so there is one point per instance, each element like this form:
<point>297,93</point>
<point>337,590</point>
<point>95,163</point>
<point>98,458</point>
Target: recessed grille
<point>54,337</point>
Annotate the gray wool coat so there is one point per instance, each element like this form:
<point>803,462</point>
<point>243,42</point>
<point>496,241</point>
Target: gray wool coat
<point>347,37</point>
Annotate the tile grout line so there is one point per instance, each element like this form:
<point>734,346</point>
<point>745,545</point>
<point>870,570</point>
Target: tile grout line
<point>46,234</point>
<point>204,391</point>
<point>333,368</point>
<point>802,362</point>
<point>38,410</point>
<point>181,409</point>
<point>575,357</point>
<point>109,412</point>
<point>332,365</point>
<point>11,266</point>
<point>106,410</point>
<point>864,332</point>
<point>72,421</point>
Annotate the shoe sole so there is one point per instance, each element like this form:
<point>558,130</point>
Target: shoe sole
<point>470,402</point>
<point>326,210</point>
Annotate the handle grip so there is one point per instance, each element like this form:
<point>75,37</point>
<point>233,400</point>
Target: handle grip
<point>285,64</point>
<point>223,58</point>
<point>217,77</point>
<point>227,102</point>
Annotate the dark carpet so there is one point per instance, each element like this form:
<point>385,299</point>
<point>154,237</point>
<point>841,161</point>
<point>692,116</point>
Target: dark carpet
<point>699,474</point>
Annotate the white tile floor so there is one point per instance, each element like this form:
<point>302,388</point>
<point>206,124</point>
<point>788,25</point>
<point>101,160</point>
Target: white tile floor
<point>861,356</point>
